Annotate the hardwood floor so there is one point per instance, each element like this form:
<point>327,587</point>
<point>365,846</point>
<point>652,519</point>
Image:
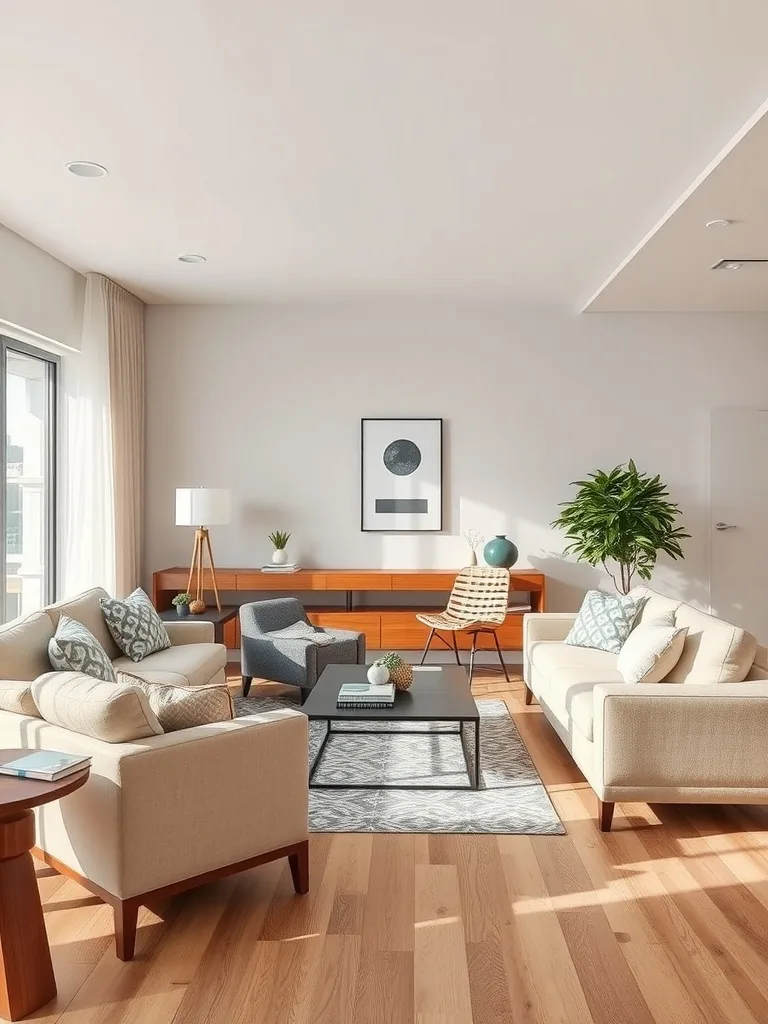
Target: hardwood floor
<point>662,921</point>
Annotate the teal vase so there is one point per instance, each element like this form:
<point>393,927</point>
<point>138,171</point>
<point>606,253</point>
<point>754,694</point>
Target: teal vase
<point>500,552</point>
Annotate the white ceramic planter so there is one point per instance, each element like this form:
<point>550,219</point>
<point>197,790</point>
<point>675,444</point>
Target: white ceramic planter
<point>279,556</point>
<point>378,674</point>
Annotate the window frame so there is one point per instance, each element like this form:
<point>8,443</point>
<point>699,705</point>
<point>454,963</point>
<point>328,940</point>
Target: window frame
<point>52,379</point>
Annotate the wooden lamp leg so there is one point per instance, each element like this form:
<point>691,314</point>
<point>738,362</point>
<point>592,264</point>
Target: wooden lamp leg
<point>213,570</point>
<point>193,563</point>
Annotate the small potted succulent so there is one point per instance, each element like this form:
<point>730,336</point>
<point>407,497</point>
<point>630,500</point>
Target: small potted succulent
<point>279,539</point>
<point>182,603</point>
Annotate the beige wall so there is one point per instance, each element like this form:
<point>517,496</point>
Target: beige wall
<point>268,400</point>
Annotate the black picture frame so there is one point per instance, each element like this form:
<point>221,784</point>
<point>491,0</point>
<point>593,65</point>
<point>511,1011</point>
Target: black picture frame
<point>401,419</point>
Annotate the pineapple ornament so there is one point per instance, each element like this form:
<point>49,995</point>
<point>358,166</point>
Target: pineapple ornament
<point>400,672</point>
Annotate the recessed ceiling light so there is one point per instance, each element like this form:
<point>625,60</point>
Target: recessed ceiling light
<point>720,222</point>
<point>191,257</point>
<point>86,169</point>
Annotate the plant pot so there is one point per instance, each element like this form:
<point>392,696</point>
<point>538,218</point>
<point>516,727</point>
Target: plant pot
<point>279,556</point>
<point>500,552</point>
<point>182,610</point>
<point>378,674</point>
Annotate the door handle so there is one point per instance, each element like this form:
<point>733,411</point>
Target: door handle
<point>725,526</point>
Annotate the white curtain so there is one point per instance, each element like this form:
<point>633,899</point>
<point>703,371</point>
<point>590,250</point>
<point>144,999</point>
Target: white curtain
<point>103,450</point>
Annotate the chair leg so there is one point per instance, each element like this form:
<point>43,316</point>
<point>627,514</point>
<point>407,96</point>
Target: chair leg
<point>472,658</point>
<point>126,916</point>
<point>299,863</point>
<point>501,659</point>
<point>426,646</point>
<point>247,680</point>
<point>303,694</point>
<point>455,646</point>
<point>528,696</point>
<point>605,814</point>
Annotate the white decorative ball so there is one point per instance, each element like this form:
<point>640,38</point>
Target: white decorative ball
<point>378,674</point>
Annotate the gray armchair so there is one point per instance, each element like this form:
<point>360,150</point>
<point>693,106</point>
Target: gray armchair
<point>297,662</point>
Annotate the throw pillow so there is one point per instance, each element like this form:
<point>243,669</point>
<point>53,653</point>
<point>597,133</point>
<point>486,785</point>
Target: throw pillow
<point>74,648</point>
<point>17,698</point>
<point>135,625</point>
<point>604,621</point>
<point>652,649</point>
<point>184,707</point>
<point>113,712</point>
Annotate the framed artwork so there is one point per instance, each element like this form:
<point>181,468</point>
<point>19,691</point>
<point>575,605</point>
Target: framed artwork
<point>401,482</point>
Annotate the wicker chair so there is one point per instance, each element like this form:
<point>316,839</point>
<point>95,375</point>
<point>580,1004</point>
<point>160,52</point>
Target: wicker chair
<point>478,604</point>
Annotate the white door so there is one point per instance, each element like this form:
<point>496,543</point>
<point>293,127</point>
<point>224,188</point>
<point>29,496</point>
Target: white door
<point>739,517</point>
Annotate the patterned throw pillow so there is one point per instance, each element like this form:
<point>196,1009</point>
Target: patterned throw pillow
<point>135,625</point>
<point>604,621</point>
<point>183,707</point>
<point>73,648</point>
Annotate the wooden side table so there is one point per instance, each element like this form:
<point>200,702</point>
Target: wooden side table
<point>218,618</point>
<point>26,973</point>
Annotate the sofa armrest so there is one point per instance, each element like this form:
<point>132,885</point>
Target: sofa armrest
<point>171,807</point>
<point>543,626</point>
<point>680,736</point>
<point>186,632</point>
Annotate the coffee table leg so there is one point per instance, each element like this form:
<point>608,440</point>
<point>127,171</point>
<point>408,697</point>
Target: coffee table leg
<point>26,973</point>
<point>320,752</point>
<point>477,754</point>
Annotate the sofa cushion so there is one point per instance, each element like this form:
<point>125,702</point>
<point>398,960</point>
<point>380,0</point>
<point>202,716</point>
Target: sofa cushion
<point>715,651</point>
<point>74,648</point>
<point>654,606</point>
<point>569,675</point>
<point>86,608</point>
<point>604,621</point>
<point>651,650</point>
<point>184,707</point>
<point>17,698</point>
<point>112,712</point>
<point>198,663</point>
<point>24,647</point>
<point>135,626</point>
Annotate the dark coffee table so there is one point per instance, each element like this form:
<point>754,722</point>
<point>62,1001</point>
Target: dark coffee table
<point>438,694</point>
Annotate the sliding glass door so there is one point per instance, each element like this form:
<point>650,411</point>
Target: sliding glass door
<point>28,419</point>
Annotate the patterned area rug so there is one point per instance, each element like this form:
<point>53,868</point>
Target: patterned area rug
<point>511,800</point>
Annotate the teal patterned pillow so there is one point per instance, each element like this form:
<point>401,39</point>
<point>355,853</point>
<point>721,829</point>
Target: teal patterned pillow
<point>135,625</point>
<point>73,648</point>
<point>604,621</point>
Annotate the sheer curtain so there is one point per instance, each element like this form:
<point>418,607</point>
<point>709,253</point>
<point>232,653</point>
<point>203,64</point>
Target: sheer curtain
<point>103,452</point>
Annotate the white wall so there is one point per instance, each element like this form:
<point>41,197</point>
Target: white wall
<point>38,293</point>
<point>268,400</point>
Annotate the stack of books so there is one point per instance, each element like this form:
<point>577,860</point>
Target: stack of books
<point>366,695</point>
<point>45,765</point>
<point>288,567</point>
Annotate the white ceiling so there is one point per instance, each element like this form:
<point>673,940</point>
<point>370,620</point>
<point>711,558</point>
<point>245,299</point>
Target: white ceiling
<point>492,148</point>
<point>672,268</point>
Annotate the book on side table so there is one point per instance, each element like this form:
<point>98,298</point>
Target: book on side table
<point>366,695</point>
<point>45,765</point>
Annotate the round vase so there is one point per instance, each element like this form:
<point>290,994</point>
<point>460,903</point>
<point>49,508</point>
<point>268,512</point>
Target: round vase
<point>182,610</point>
<point>378,674</point>
<point>500,552</point>
<point>279,556</point>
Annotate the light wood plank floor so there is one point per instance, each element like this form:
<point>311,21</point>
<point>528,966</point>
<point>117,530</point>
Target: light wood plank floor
<point>664,920</point>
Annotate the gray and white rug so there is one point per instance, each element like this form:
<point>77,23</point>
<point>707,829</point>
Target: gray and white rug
<point>511,800</point>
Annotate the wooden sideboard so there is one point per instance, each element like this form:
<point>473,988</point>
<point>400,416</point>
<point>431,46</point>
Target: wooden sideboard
<point>385,626</point>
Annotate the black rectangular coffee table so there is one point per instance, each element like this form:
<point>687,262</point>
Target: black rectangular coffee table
<point>437,694</point>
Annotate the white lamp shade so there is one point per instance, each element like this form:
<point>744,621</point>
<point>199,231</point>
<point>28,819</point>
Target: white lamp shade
<point>202,506</point>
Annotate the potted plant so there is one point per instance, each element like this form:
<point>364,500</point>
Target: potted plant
<point>279,539</point>
<point>622,520</point>
<point>182,603</point>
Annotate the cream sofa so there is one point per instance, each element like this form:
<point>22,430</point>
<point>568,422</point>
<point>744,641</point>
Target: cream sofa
<point>699,736</point>
<point>162,814</point>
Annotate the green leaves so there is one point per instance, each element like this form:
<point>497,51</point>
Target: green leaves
<point>623,516</point>
<point>279,539</point>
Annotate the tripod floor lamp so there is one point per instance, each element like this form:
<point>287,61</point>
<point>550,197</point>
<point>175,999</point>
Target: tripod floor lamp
<point>202,507</point>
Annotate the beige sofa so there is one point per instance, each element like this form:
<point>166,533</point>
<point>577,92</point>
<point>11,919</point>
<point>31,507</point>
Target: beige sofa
<point>699,736</point>
<point>163,814</point>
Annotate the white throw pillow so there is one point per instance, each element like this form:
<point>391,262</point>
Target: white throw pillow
<point>651,650</point>
<point>112,712</point>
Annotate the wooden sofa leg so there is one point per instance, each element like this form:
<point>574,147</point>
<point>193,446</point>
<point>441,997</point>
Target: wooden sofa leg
<point>299,863</point>
<point>528,696</point>
<point>126,916</point>
<point>605,813</point>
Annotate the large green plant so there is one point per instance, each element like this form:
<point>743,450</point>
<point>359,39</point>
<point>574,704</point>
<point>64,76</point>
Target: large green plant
<point>621,517</point>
